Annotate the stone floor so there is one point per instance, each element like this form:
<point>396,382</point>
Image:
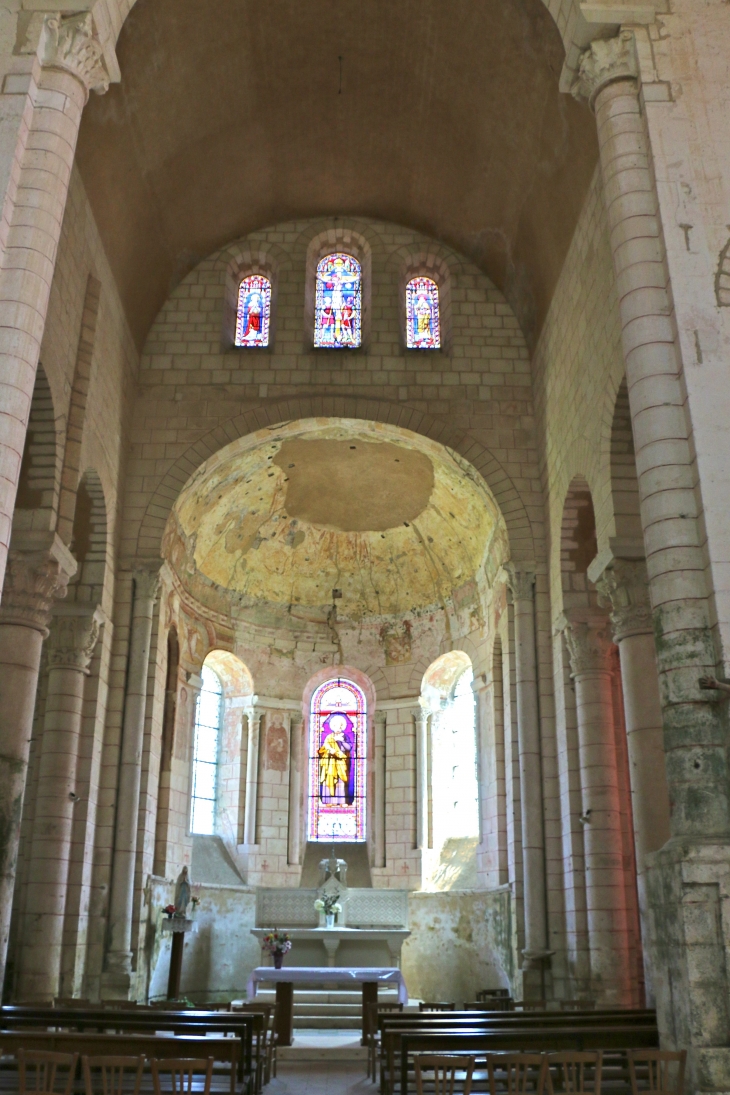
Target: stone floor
<point>321,1078</point>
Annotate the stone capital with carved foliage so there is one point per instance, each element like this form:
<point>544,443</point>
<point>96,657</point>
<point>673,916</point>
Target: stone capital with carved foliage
<point>70,42</point>
<point>146,584</point>
<point>624,589</point>
<point>73,636</point>
<point>589,641</point>
<point>520,581</point>
<point>604,62</point>
<point>33,581</point>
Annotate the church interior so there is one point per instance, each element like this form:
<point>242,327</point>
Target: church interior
<point>364,550</point>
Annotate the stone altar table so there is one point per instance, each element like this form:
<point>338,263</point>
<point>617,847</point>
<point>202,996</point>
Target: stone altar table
<point>355,943</point>
<point>285,979</point>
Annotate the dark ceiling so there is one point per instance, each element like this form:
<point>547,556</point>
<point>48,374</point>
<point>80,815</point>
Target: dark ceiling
<point>231,116</point>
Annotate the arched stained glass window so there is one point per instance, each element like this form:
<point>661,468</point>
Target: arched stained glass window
<point>337,757</point>
<point>254,311</point>
<point>423,321</point>
<point>338,302</point>
<point>205,754</point>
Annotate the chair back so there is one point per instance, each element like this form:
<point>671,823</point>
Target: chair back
<point>491,1003</point>
<point>660,1071</point>
<point>71,1002</point>
<point>431,1005</point>
<point>493,994</point>
<point>577,1005</point>
<point>572,1073</point>
<point>41,1072</point>
<point>531,1005</point>
<point>517,1073</point>
<point>182,1073</point>
<point>112,1075</point>
<point>445,1068</point>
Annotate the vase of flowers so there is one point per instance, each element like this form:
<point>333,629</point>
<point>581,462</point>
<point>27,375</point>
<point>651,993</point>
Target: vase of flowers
<point>329,904</point>
<point>277,944</point>
<point>169,911</point>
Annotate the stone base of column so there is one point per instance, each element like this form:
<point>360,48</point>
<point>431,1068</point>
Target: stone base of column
<point>119,980</point>
<point>688,891</point>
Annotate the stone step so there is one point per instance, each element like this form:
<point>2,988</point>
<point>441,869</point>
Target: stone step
<point>328,1022</point>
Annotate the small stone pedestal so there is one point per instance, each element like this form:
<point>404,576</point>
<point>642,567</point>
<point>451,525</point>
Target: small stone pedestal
<point>177,927</point>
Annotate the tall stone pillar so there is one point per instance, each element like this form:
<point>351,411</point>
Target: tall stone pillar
<point>297,753</point>
<point>33,580</point>
<point>624,586</point>
<point>521,582</point>
<point>254,714</point>
<point>379,788</point>
<point>421,715</point>
<point>589,646</point>
<point>63,60</point>
<point>688,879</point>
<point>117,980</point>
<point>73,636</point>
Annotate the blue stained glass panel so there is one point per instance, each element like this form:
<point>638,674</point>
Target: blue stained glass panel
<point>338,302</point>
<point>254,311</point>
<point>423,321</point>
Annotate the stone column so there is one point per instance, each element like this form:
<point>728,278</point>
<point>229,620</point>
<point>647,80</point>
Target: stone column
<point>297,753</point>
<point>64,60</point>
<point>379,788</point>
<point>589,646</point>
<point>254,714</point>
<point>33,580</point>
<point>521,582</point>
<point>421,716</point>
<point>117,981</point>
<point>73,636</point>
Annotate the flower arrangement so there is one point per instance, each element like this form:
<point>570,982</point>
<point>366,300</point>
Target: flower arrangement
<point>194,901</point>
<point>169,911</point>
<point>329,904</point>
<point>276,942</point>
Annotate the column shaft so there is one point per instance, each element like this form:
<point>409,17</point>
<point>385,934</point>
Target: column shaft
<point>422,718</point>
<point>252,776</point>
<point>121,904</point>
<point>379,788</point>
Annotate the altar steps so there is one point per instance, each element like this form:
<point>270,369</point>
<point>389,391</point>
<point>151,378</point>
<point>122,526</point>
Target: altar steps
<point>317,1009</point>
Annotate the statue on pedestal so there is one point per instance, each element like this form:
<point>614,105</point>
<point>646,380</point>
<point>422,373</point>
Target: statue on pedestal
<point>182,894</point>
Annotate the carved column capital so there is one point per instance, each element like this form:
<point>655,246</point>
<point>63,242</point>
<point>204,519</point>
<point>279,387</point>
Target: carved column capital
<point>520,581</point>
<point>589,643</point>
<point>33,581</point>
<point>71,43</point>
<point>146,584</point>
<point>380,717</point>
<point>605,61</point>
<point>73,636</point>
<point>624,589</point>
<point>254,713</point>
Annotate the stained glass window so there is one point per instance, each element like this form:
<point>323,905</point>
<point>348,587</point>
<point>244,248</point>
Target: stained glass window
<point>337,756</point>
<point>205,754</point>
<point>338,302</point>
<point>254,311</point>
<point>422,315</point>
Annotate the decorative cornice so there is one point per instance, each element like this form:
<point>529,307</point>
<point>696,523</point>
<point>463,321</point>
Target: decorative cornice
<point>70,43</point>
<point>589,643</point>
<point>73,637</point>
<point>624,588</point>
<point>520,581</point>
<point>605,61</point>
<point>33,581</point>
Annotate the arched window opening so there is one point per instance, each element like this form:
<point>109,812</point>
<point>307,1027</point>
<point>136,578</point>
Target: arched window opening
<point>205,754</point>
<point>338,302</point>
<point>337,760</point>
<point>423,320</point>
<point>254,311</point>
<point>454,766</point>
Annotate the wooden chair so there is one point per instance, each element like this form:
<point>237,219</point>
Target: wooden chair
<point>491,1003</point>
<point>374,1034</point>
<point>268,1044</point>
<point>430,1005</point>
<point>445,1069</point>
<point>516,1073</point>
<point>577,1005</point>
<point>112,1075</point>
<point>658,1066</point>
<point>491,994</point>
<point>181,1076</point>
<point>37,1071</point>
<point>575,1073</point>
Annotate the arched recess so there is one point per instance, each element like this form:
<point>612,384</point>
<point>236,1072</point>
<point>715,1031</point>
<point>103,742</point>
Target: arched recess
<point>36,503</point>
<point>578,547</point>
<point>89,539</point>
<point>521,537</point>
<point>624,479</point>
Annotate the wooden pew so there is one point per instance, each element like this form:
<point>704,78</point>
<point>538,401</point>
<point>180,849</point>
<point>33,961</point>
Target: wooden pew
<point>224,1050</point>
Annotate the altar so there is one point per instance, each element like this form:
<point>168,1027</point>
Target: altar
<point>342,946</point>
<point>285,979</point>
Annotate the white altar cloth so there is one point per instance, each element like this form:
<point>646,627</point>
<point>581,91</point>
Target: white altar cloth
<point>342,976</point>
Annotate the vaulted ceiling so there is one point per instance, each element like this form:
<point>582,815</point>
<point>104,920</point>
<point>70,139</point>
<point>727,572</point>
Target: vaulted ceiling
<point>443,115</point>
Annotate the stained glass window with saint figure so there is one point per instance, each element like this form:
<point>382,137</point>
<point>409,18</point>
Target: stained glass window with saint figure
<point>338,303</point>
<point>337,758</point>
<point>254,311</point>
<point>423,321</point>
<point>205,754</point>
